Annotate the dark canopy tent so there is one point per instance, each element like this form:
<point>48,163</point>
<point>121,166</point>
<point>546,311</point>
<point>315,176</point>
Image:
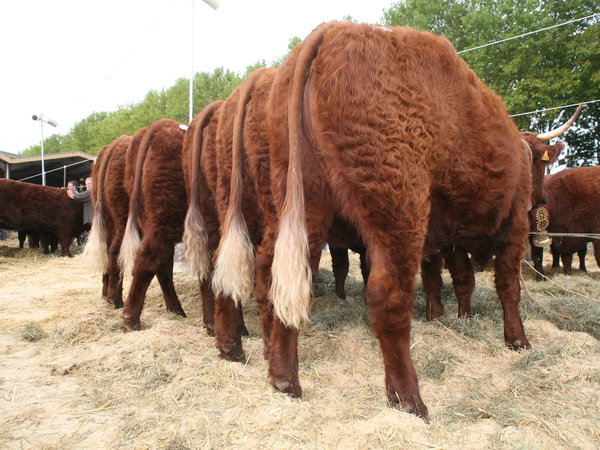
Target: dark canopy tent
<point>60,167</point>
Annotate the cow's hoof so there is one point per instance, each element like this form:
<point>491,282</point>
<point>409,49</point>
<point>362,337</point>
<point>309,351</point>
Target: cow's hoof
<point>234,353</point>
<point>341,294</point>
<point>210,330</point>
<point>243,331</point>
<point>434,312</point>
<point>287,387</point>
<point>178,311</point>
<point>130,325</point>
<point>414,406</point>
<point>518,344</point>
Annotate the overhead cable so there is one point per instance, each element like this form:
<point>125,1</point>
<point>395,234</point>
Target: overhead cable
<point>528,33</point>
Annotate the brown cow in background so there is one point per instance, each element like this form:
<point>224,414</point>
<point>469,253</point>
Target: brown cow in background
<point>573,199</point>
<point>155,222</point>
<point>388,127</point>
<point>111,204</point>
<point>49,209</point>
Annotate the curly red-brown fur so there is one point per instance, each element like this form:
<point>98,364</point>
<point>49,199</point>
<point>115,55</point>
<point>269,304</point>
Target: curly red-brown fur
<point>157,207</point>
<point>390,128</point>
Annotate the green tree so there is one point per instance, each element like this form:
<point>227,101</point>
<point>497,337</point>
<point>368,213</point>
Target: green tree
<point>551,68</point>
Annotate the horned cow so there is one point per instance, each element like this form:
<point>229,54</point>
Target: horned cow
<point>457,258</point>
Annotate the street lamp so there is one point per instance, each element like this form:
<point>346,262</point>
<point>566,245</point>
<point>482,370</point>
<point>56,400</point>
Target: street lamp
<point>214,4</point>
<point>49,121</point>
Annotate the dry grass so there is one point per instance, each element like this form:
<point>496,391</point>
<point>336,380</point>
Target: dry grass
<point>69,377</point>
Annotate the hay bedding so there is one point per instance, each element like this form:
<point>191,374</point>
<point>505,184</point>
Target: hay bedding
<point>70,378</point>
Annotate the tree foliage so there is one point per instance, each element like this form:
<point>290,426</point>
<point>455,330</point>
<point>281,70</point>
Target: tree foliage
<point>559,66</point>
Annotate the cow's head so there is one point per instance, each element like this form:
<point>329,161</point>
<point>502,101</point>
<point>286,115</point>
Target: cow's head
<point>543,154</point>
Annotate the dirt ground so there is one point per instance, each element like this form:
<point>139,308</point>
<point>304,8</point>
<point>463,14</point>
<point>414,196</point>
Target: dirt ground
<point>70,378</point>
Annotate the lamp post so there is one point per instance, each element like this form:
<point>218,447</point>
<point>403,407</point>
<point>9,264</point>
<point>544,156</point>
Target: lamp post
<point>49,121</point>
<point>214,4</point>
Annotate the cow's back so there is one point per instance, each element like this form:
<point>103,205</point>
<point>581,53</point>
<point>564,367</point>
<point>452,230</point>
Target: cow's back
<point>164,198</point>
<point>436,118</point>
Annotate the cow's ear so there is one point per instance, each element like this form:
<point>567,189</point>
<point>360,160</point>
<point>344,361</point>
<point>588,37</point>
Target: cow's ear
<point>553,151</point>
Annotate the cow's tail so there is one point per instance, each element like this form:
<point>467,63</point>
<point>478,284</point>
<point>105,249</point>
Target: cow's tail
<point>95,253</point>
<point>195,238</point>
<point>233,275</point>
<point>131,238</point>
<point>291,288</point>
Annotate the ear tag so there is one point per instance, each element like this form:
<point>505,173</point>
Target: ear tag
<point>546,157</point>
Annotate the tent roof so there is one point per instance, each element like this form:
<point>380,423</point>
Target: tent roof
<point>59,166</point>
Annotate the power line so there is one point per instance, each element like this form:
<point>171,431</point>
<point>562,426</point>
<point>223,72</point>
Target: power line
<point>54,170</point>
<point>551,109</point>
<point>528,33</point>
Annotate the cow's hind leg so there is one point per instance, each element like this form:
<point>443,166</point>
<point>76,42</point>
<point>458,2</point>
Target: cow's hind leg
<point>341,265</point>
<point>537,256</point>
<point>105,285</point>
<point>463,278</point>
<point>507,268</point>
<point>208,306</point>
<point>228,327</point>
<point>389,296</point>
<point>431,268</point>
<point>144,269</point>
<point>65,246</point>
<point>114,292</point>
<point>555,257</point>
<point>165,278</point>
<point>567,261</point>
<point>581,254</point>
<point>283,353</point>
<point>132,309</point>
<point>264,259</point>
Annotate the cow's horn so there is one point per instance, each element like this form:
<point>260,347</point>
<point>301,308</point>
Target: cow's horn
<point>560,130</point>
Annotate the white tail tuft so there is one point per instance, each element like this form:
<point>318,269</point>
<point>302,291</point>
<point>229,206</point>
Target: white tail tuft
<point>195,243</point>
<point>291,289</point>
<point>129,247</point>
<point>95,253</point>
<point>233,275</point>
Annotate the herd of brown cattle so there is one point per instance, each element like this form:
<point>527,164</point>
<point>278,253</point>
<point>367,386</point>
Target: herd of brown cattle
<point>378,139</point>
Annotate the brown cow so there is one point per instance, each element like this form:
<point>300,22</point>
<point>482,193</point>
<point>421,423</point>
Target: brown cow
<point>111,204</point>
<point>244,199</point>
<point>390,129</point>
<point>201,226</point>
<point>246,207</point>
<point>457,258</point>
<point>573,199</point>
<point>49,209</point>
<point>215,169</point>
<point>156,212</point>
